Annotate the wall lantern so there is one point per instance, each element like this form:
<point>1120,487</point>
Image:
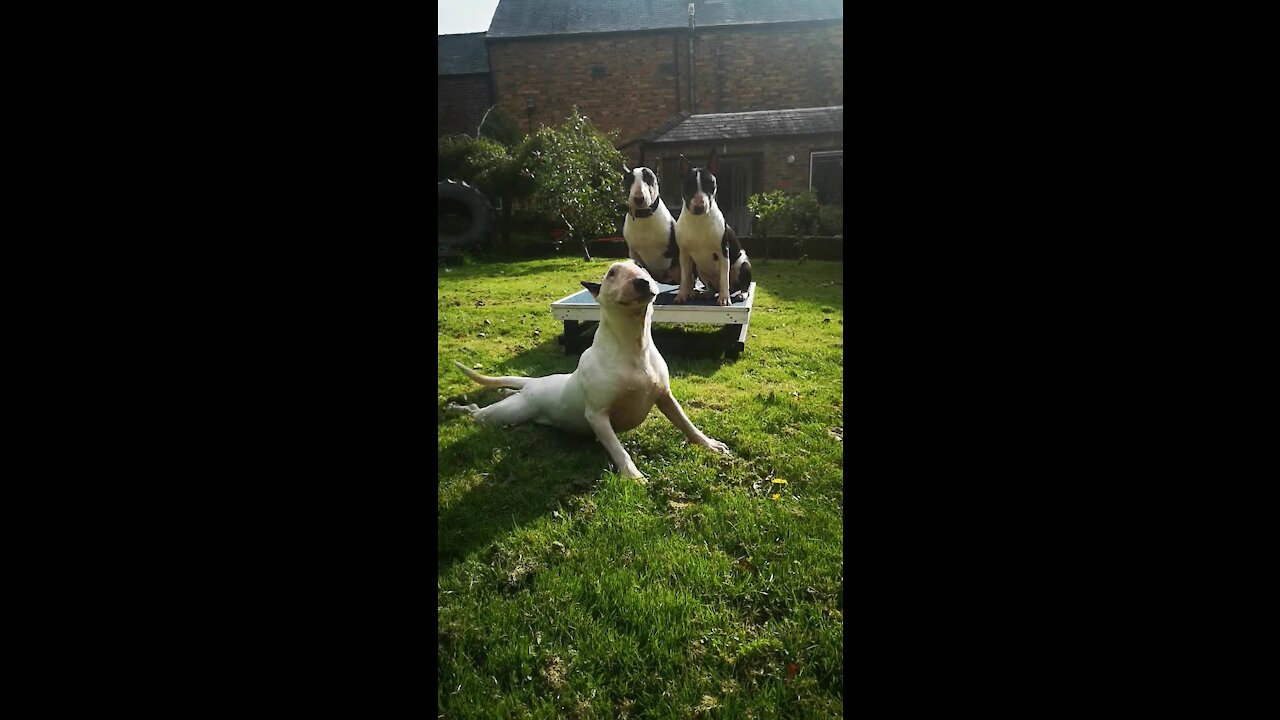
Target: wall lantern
<point>530,103</point>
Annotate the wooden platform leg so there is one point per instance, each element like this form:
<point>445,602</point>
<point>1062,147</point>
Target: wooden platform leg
<point>735,339</point>
<point>570,329</point>
<point>578,334</point>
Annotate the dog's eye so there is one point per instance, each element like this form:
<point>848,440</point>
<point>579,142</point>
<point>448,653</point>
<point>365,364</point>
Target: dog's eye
<point>609,274</point>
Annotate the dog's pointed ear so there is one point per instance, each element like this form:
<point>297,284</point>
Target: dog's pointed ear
<point>593,288</point>
<point>712,164</point>
<point>684,165</point>
<point>625,170</point>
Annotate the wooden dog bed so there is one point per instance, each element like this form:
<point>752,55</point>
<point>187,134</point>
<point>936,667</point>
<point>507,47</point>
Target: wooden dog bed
<point>581,314</point>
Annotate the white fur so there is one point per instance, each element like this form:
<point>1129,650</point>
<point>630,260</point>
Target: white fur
<point>699,238</point>
<point>618,380</point>
<point>648,238</point>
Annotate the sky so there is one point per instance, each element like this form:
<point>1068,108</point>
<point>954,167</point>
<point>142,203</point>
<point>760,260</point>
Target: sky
<point>464,16</point>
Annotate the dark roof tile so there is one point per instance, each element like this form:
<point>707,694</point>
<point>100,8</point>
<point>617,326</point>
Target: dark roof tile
<point>524,18</point>
<point>741,125</point>
<point>461,54</point>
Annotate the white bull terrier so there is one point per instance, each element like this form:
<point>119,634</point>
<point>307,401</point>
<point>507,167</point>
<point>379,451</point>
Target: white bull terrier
<point>707,245</point>
<point>618,380</point>
<point>649,229</point>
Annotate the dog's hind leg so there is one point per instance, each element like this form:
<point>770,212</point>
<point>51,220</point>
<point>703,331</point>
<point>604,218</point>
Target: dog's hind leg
<point>511,410</point>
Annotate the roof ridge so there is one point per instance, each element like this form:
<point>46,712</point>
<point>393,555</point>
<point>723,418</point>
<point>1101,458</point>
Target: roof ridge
<point>759,112</point>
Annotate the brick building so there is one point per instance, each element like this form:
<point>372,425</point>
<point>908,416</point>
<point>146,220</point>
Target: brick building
<point>790,150</point>
<point>464,89</point>
<point>762,79</point>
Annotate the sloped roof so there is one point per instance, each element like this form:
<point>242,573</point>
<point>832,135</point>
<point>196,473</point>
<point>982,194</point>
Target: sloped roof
<point>461,54</point>
<point>524,18</point>
<point>760,123</point>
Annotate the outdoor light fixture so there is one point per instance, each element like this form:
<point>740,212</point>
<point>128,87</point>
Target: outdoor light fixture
<point>530,102</point>
<point>791,158</point>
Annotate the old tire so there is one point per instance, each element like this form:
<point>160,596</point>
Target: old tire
<point>465,216</point>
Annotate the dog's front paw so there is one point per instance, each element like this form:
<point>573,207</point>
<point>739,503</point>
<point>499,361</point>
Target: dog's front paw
<point>682,297</point>
<point>723,299</point>
<point>716,446</point>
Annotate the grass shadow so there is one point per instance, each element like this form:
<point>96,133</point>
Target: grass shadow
<point>512,476</point>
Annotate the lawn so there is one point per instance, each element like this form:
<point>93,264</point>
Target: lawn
<point>713,589</point>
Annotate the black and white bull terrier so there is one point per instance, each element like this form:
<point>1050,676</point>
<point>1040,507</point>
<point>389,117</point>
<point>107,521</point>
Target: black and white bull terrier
<point>618,380</point>
<point>649,228</point>
<point>705,240</point>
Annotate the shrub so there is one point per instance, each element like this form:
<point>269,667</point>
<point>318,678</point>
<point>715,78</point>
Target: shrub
<point>499,126</point>
<point>831,220</point>
<point>575,171</point>
<point>777,213</point>
<point>802,211</point>
<point>451,155</point>
<point>576,189</point>
<point>769,210</point>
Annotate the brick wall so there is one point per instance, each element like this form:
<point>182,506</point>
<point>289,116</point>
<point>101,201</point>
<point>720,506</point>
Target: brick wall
<point>460,103</point>
<point>635,94</point>
<point>737,69</point>
<point>768,68</point>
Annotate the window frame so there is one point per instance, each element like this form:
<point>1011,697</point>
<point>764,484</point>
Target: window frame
<point>814,154</point>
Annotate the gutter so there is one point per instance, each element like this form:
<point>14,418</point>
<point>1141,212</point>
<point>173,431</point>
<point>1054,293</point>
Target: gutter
<point>693,29</point>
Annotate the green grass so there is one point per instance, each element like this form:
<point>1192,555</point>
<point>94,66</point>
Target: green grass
<point>566,590</point>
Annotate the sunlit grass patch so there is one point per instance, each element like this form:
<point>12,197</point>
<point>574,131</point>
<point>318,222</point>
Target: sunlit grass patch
<point>565,590</point>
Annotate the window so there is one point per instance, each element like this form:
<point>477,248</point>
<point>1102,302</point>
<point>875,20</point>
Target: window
<point>826,176</point>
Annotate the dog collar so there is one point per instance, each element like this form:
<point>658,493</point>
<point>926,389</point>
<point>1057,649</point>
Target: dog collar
<point>644,213</point>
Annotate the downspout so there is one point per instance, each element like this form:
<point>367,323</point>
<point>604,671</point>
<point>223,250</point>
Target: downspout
<point>693,98</point>
<point>675,57</point>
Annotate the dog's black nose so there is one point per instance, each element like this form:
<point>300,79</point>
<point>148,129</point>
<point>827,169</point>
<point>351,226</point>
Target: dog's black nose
<point>641,285</point>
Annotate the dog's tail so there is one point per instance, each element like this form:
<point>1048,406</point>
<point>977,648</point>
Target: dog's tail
<point>507,382</point>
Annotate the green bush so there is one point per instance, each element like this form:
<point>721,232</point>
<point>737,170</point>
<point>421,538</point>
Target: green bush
<point>769,210</point>
<point>565,175</point>
<point>802,211</point>
<point>575,172</point>
<point>451,155</point>
<point>831,220</point>
<point>499,126</point>
<point>777,213</point>
<point>482,162</point>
